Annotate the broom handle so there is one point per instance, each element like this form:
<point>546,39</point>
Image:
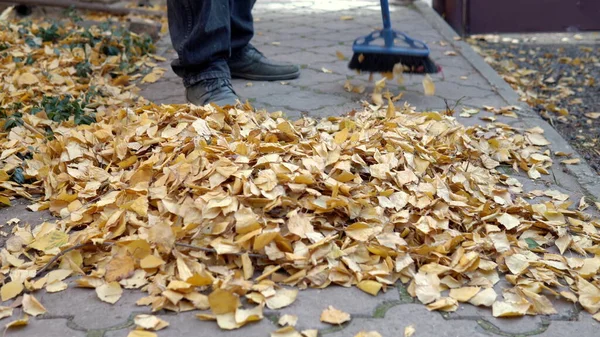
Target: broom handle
<point>387,32</point>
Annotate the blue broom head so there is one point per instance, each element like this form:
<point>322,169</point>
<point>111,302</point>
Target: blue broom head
<point>391,42</point>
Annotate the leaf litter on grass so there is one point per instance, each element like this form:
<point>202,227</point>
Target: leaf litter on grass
<point>232,210</point>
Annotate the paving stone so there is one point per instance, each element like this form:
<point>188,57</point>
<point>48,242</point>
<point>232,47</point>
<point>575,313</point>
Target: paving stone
<point>87,310</point>
<point>186,324</point>
<point>258,88</point>
<point>311,302</point>
<point>452,90</point>
<point>304,57</point>
<point>56,327</point>
<point>309,77</point>
<point>304,43</point>
<point>425,323</point>
<point>302,100</point>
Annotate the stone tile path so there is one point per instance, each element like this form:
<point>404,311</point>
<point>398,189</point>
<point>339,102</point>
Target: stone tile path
<point>310,33</point>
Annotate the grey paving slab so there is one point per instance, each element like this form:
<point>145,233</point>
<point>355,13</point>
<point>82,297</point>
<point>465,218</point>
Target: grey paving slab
<point>47,327</point>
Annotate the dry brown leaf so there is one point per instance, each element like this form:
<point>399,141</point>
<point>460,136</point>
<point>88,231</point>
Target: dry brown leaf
<point>332,315</point>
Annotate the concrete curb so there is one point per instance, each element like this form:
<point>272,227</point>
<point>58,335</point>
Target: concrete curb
<point>587,178</point>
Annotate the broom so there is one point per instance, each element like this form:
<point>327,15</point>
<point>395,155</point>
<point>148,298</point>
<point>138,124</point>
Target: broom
<point>368,56</point>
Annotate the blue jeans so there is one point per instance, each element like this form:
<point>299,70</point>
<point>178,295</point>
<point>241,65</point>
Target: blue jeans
<point>205,33</point>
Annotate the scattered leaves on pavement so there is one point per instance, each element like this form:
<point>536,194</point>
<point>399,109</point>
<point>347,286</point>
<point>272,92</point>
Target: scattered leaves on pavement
<point>332,315</point>
<point>31,306</point>
<point>409,331</point>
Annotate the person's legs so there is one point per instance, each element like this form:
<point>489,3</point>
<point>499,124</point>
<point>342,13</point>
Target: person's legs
<point>201,35</point>
<point>245,61</point>
<point>242,24</point>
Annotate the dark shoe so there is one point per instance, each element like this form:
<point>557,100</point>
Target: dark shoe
<point>253,65</point>
<point>214,90</point>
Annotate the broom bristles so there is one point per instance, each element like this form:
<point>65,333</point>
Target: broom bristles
<point>384,63</point>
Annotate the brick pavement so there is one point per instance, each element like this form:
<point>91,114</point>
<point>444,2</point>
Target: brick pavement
<point>310,33</point>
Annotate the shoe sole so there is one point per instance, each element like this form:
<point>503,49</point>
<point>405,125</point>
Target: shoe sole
<point>290,76</point>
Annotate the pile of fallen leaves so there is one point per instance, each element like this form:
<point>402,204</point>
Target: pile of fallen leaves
<point>60,72</point>
<point>206,208</point>
<point>557,81</point>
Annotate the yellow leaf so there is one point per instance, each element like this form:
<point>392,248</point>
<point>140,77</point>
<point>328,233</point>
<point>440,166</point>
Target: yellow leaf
<point>287,331</point>
<point>592,115</point>
<point>51,240</point>
<point>151,77</point>
<point>589,295</point>
<point>572,161</point>
<point>370,287</point>
<point>5,312</point>
<point>537,139</point>
<point>485,298</point>
<point>340,137</point>
<point>290,320</point>
<point>428,86</point>
<point>282,298</point>
<point>150,322</point>
<point>223,301</point>
<point>32,307</point>
<point>346,17</point>
<point>443,304</point>
<point>310,333</point>
<point>4,200</point>
<point>151,261</point>
<point>10,290</point>
<point>340,56</point>
<point>464,294</point>
<point>243,316</point>
<point>332,315</point>
<point>109,292</point>
<point>27,79</point>
<point>409,331</point>
<point>368,334</point>
<point>509,309</point>
<point>508,221</point>
<point>20,322</point>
